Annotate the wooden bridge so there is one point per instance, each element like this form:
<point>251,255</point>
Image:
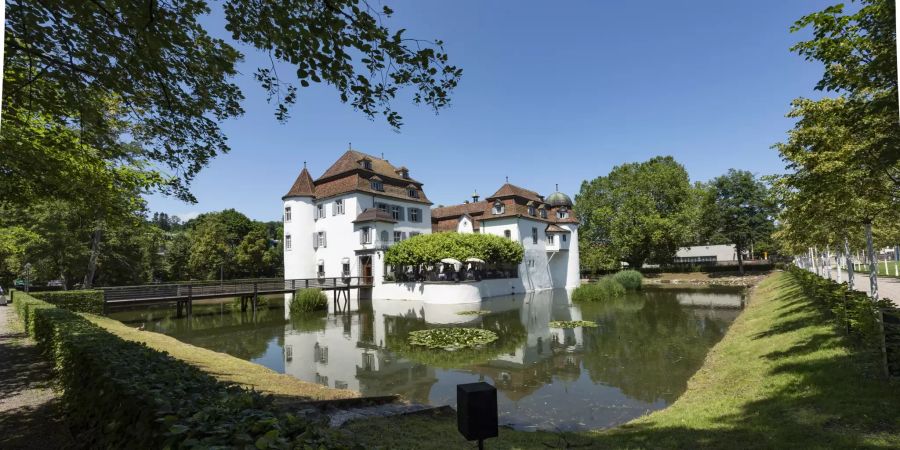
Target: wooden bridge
<point>183,294</point>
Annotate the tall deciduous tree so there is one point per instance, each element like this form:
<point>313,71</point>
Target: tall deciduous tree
<point>148,71</point>
<point>739,208</point>
<point>640,212</point>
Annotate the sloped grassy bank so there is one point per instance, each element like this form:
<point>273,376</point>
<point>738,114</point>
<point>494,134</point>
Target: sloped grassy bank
<point>124,394</point>
<point>784,376</point>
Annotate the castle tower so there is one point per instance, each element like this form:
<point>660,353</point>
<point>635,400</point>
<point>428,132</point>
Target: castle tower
<point>299,226</point>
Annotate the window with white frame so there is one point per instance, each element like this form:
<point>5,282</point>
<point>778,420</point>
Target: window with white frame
<point>287,242</point>
<point>287,214</point>
<point>338,207</point>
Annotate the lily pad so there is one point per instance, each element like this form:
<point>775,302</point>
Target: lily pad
<point>451,339</point>
<point>572,324</point>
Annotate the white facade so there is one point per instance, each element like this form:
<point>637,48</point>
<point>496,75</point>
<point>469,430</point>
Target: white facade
<point>341,235</point>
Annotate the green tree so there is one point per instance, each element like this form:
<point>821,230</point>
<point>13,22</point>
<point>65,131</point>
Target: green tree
<point>739,208</point>
<point>146,73</point>
<point>640,212</point>
<point>250,254</point>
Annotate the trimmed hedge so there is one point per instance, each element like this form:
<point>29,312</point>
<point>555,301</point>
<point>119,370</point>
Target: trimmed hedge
<point>122,394</point>
<point>88,301</point>
<point>856,314</point>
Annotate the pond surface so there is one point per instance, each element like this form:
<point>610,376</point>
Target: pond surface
<point>638,359</point>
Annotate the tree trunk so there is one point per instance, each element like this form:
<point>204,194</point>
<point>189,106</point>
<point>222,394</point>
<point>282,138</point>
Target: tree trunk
<point>92,261</point>
<point>873,265</point>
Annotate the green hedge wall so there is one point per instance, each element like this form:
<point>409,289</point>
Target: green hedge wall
<point>89,301</point>
<point>856,314</point>
<point>122,394</point>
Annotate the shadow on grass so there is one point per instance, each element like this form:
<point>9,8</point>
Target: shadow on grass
<point>815,393</point>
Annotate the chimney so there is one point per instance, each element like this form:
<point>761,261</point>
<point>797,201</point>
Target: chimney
<point>474,197</point>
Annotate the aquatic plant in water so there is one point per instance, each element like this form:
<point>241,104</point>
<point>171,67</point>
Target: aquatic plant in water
<point>572,324</point>
<point>604,289</point>
<point>451,339</point>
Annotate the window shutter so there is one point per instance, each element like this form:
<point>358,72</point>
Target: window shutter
<point>315,240</point>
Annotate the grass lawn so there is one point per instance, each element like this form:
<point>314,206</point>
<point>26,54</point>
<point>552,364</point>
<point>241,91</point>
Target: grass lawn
<point>226,367</point>
<point>891,268</point>
<point>782,377</point>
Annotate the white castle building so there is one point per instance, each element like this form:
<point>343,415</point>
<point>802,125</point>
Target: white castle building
<point>341,224</point>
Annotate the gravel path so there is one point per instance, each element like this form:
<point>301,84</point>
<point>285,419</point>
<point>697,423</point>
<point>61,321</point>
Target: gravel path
<point>29,407</point>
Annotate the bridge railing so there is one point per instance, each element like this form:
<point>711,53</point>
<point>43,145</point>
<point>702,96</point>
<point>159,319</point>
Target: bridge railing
<point>227,288</point>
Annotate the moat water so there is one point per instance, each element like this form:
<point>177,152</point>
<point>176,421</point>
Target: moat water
<point>637,360</point>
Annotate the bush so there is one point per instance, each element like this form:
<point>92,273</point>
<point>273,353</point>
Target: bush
<point>309,299</point>
<point>855,313</point>
<point>122,394</point>
<point>88,301</point>
<point>629,279</point>
<point>431,248</point>
<point>604,289</point>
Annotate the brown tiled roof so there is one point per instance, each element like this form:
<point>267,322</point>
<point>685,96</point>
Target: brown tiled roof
<point>510,190</point>
<point>349,162</point>
<point>303,186</point>
<point>374,215</point>
<point>554,228</point>
<point>346,175</point>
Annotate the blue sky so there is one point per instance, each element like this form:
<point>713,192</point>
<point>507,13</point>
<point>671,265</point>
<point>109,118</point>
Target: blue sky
<point>552,92</point>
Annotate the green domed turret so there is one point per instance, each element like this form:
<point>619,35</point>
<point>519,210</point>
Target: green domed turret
<point>559,199</point>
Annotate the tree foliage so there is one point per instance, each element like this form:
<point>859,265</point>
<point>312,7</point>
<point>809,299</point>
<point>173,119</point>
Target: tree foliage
<point>843,150</point>
<point>739,208</point>
<point>431,248</point>
<point>639,212</point>
<point>93,86</point>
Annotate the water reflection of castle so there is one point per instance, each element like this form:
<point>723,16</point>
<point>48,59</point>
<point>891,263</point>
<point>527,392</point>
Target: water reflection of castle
<point>353,349</point>
<point>360,350</point>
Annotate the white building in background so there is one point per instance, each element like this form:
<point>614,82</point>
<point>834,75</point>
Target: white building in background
<point>341,223</point>
<point>706,254</point>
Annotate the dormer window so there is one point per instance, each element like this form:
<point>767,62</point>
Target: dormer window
<point>377,185</point>
<point>498,207</point>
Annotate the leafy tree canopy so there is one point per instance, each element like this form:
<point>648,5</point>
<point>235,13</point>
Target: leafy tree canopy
<point>101,84</point>
<point>640,212</point>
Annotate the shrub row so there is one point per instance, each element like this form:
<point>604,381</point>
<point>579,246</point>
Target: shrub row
<point>608,287</point>
<point>122,394</point>
<point>857,314</point>
<point>88,301</point>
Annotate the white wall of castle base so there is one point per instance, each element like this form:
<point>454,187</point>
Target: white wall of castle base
<point>450,293</point>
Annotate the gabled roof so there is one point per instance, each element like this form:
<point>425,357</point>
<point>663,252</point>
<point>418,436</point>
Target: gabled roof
<point>510,190</point>
<point>303,186</point>
<point>349,162</point>
<point>374,215</point>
